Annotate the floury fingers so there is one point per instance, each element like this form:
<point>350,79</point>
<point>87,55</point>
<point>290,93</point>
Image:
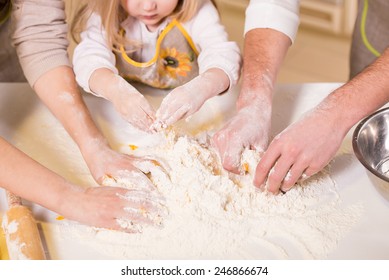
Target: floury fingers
<point>158,125</point>
<point>139,218</point>
<point>146,205</point>
<point>145,209</point>
<point>303,177</point>
<point>151,164</point>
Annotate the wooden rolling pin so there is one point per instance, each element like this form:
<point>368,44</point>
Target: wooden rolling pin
<point>21,231</point>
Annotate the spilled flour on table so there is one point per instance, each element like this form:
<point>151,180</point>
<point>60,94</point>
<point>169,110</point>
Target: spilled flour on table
<point>212,214</point>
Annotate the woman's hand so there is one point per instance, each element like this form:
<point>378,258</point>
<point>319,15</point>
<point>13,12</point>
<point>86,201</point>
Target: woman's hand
<point>116,207</point>
<point>113,207</point>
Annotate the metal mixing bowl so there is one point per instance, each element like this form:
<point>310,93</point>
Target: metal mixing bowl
<point>371,147</point>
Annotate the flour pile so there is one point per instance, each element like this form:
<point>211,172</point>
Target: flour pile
<point>213,214</point>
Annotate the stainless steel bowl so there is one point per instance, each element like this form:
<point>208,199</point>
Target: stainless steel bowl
<point>371,147</point>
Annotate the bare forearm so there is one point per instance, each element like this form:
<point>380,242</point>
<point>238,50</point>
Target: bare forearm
<point>58,90</point>
<point>30,180</point>
<point>364,94</point>
<point>99,207</point>
<point>264,51</point>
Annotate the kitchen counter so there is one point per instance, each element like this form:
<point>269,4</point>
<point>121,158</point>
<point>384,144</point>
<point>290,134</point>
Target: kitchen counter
<point>27,123</point>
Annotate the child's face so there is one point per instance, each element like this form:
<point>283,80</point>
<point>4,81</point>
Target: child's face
<point>150,12</point>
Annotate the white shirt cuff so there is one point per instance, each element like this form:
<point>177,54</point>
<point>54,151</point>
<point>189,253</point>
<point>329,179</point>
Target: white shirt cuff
<point>266,15</point>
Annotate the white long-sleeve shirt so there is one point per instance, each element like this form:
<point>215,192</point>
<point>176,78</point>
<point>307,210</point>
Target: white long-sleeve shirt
<point>205,29</point>
<point>281,15</point>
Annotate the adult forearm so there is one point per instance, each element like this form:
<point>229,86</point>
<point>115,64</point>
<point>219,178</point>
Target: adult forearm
<point>27,178</point>
<point>59,91</point>
<point>362,95</point>
<point>264,51</point>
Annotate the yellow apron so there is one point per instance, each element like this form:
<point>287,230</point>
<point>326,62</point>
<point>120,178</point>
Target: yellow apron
<point>174,62</point>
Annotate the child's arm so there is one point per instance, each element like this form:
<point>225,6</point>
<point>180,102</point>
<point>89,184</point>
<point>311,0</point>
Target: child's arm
<point>126,99</point>
<point>219,66</point>
<point>188,99</point>
<point>94,66</point>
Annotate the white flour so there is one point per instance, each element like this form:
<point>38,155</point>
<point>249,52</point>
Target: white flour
<point>214,215</point>
<point>210,215</point>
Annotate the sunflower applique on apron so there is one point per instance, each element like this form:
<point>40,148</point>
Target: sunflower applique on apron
<point>174,62</point>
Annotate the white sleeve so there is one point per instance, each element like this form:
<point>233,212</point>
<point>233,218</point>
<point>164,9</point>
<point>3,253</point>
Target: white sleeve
<point>92,53</point>
<point>281,15</point>
<point>211,40</point>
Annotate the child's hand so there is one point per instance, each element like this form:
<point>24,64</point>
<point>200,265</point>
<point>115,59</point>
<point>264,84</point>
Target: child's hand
<point>179,103</point>
<point>131,104</point>
<point>134,108</point>
<point>186,100</point>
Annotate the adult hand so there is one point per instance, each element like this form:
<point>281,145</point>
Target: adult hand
<point>108,207</point>
<point>103,161</point>
<point>142,203</point>
<point>249,128</point>
<point>300,151</point>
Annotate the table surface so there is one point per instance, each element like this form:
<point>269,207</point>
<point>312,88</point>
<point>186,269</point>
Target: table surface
<point>24,120</point>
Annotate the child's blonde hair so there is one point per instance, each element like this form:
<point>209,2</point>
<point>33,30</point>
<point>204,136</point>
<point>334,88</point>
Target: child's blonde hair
<point>112,15</point>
